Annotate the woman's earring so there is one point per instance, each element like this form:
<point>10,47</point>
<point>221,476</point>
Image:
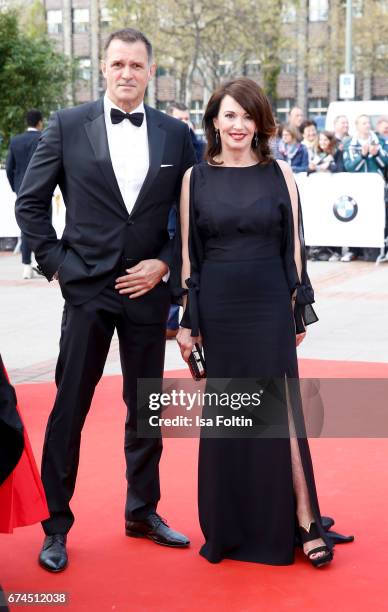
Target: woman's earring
<point>217,136</point>
<point>255,141</point>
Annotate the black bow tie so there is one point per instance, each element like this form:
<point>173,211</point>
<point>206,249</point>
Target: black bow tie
<point>117,116</point>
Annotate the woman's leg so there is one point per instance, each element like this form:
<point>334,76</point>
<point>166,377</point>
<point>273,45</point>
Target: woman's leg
<point>303,506</point>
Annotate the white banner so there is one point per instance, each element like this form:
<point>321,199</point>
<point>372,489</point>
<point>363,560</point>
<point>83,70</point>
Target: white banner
<point>344,209</point>
<point>8,226</point>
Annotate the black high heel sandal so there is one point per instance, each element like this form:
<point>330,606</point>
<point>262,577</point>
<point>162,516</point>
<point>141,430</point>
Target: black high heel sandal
<point>309,536</point>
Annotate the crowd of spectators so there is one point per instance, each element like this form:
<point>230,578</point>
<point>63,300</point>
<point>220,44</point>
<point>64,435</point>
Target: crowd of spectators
<point>307,150</point>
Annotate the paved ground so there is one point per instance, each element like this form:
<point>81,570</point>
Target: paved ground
<point>351,302</point>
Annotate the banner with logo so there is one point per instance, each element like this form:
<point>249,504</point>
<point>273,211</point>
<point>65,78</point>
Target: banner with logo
<point>344,209</point>
<point>8,226</point>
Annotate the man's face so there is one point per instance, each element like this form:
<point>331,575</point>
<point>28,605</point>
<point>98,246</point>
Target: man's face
<point>296,117</point>
<point>382,128</point>
<point>127,71</point>
<point>182,115</point>
<point>342,126</point>
<point>363,125</point>
<point>310,133</point>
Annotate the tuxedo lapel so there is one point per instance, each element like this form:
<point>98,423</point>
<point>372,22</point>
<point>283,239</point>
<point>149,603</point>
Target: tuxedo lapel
<point>156,140</point>
<point>96,132</point>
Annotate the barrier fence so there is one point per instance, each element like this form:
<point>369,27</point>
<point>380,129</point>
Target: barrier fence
<point>344,210</point>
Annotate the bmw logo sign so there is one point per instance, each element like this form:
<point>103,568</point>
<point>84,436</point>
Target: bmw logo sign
<point>345,208</point>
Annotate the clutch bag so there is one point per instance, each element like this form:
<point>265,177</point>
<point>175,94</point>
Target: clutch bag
<point>196,363</point>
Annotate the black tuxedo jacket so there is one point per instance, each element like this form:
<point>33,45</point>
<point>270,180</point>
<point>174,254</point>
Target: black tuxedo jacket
<point>73,153</point>
<point>21,149</point>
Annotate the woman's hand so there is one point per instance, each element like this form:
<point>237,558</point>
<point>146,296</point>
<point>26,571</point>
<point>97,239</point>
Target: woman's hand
<point>186,342</point>
<point>300,338</point>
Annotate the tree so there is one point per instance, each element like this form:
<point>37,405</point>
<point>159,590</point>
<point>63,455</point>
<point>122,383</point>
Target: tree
<point>32,75</point>
<point>209,40</point>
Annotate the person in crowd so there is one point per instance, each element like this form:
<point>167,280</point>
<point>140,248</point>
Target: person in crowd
<point>295,120</point>
<point>179,111</point>
<point>363,153</point>
<point>249,298</point>
<point>341,131</point>
<point>329,158</point>
<point>276,141</point>
<point>119,165</point>
<point>21,149</point>
<point>310,139</point>
<point>382,133</point>
<point>382,128</point>
<point>292,151</point>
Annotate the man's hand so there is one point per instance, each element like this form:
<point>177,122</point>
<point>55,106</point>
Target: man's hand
<point>141,278</point>
<point>365,150</point>
<point>374,149</point>
<point>300,338</point>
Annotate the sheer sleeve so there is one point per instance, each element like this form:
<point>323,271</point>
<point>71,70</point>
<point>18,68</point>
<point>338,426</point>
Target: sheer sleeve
<point>190,318</point>
<point>294,253</point>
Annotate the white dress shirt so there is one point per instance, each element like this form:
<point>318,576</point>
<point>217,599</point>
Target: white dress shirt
<point>128,148</point>
<point>129,153</point>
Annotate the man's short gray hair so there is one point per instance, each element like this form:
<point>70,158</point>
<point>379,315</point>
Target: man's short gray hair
<point>130,36</point>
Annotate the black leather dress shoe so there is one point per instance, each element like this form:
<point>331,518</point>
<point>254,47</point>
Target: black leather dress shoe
<point>53,556</point>
<point>156,529</point>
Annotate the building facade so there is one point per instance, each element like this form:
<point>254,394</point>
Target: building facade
<point>80,28</point>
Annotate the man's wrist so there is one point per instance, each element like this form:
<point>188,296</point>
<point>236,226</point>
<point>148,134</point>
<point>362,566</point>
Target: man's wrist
<point>166,274</point>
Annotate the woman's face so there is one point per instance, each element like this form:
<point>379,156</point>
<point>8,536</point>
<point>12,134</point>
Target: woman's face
<point>287,137</point>
<point>236,126</point>
<point>310,133</point>
<point>324,142</point>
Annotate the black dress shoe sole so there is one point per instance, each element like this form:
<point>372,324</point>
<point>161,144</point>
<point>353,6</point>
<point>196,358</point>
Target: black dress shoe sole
<point>49,569</point>
<point>149,536</point>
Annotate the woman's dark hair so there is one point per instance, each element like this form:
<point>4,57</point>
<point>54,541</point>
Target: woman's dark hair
<point>254,101</point>
<point>332,140</point>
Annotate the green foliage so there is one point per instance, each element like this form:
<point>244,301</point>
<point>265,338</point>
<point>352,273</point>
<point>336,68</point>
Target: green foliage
<point>32,75</point>
<point>32,19</point>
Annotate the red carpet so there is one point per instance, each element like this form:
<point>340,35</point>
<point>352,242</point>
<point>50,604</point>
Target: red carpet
<point>111,572</point>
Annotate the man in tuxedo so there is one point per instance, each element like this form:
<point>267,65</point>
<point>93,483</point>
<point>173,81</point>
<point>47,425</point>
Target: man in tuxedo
<point>119,165</point>
<point>21,149</point>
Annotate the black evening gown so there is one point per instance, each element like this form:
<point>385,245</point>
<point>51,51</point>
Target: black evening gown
<point>242,276</point>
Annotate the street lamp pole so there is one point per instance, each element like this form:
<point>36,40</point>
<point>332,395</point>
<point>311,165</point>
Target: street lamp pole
<point>348,39</point>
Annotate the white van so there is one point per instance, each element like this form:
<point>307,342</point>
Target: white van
<point>352,109</point>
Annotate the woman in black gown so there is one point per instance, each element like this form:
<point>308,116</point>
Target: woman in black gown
<point>249,298</point>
